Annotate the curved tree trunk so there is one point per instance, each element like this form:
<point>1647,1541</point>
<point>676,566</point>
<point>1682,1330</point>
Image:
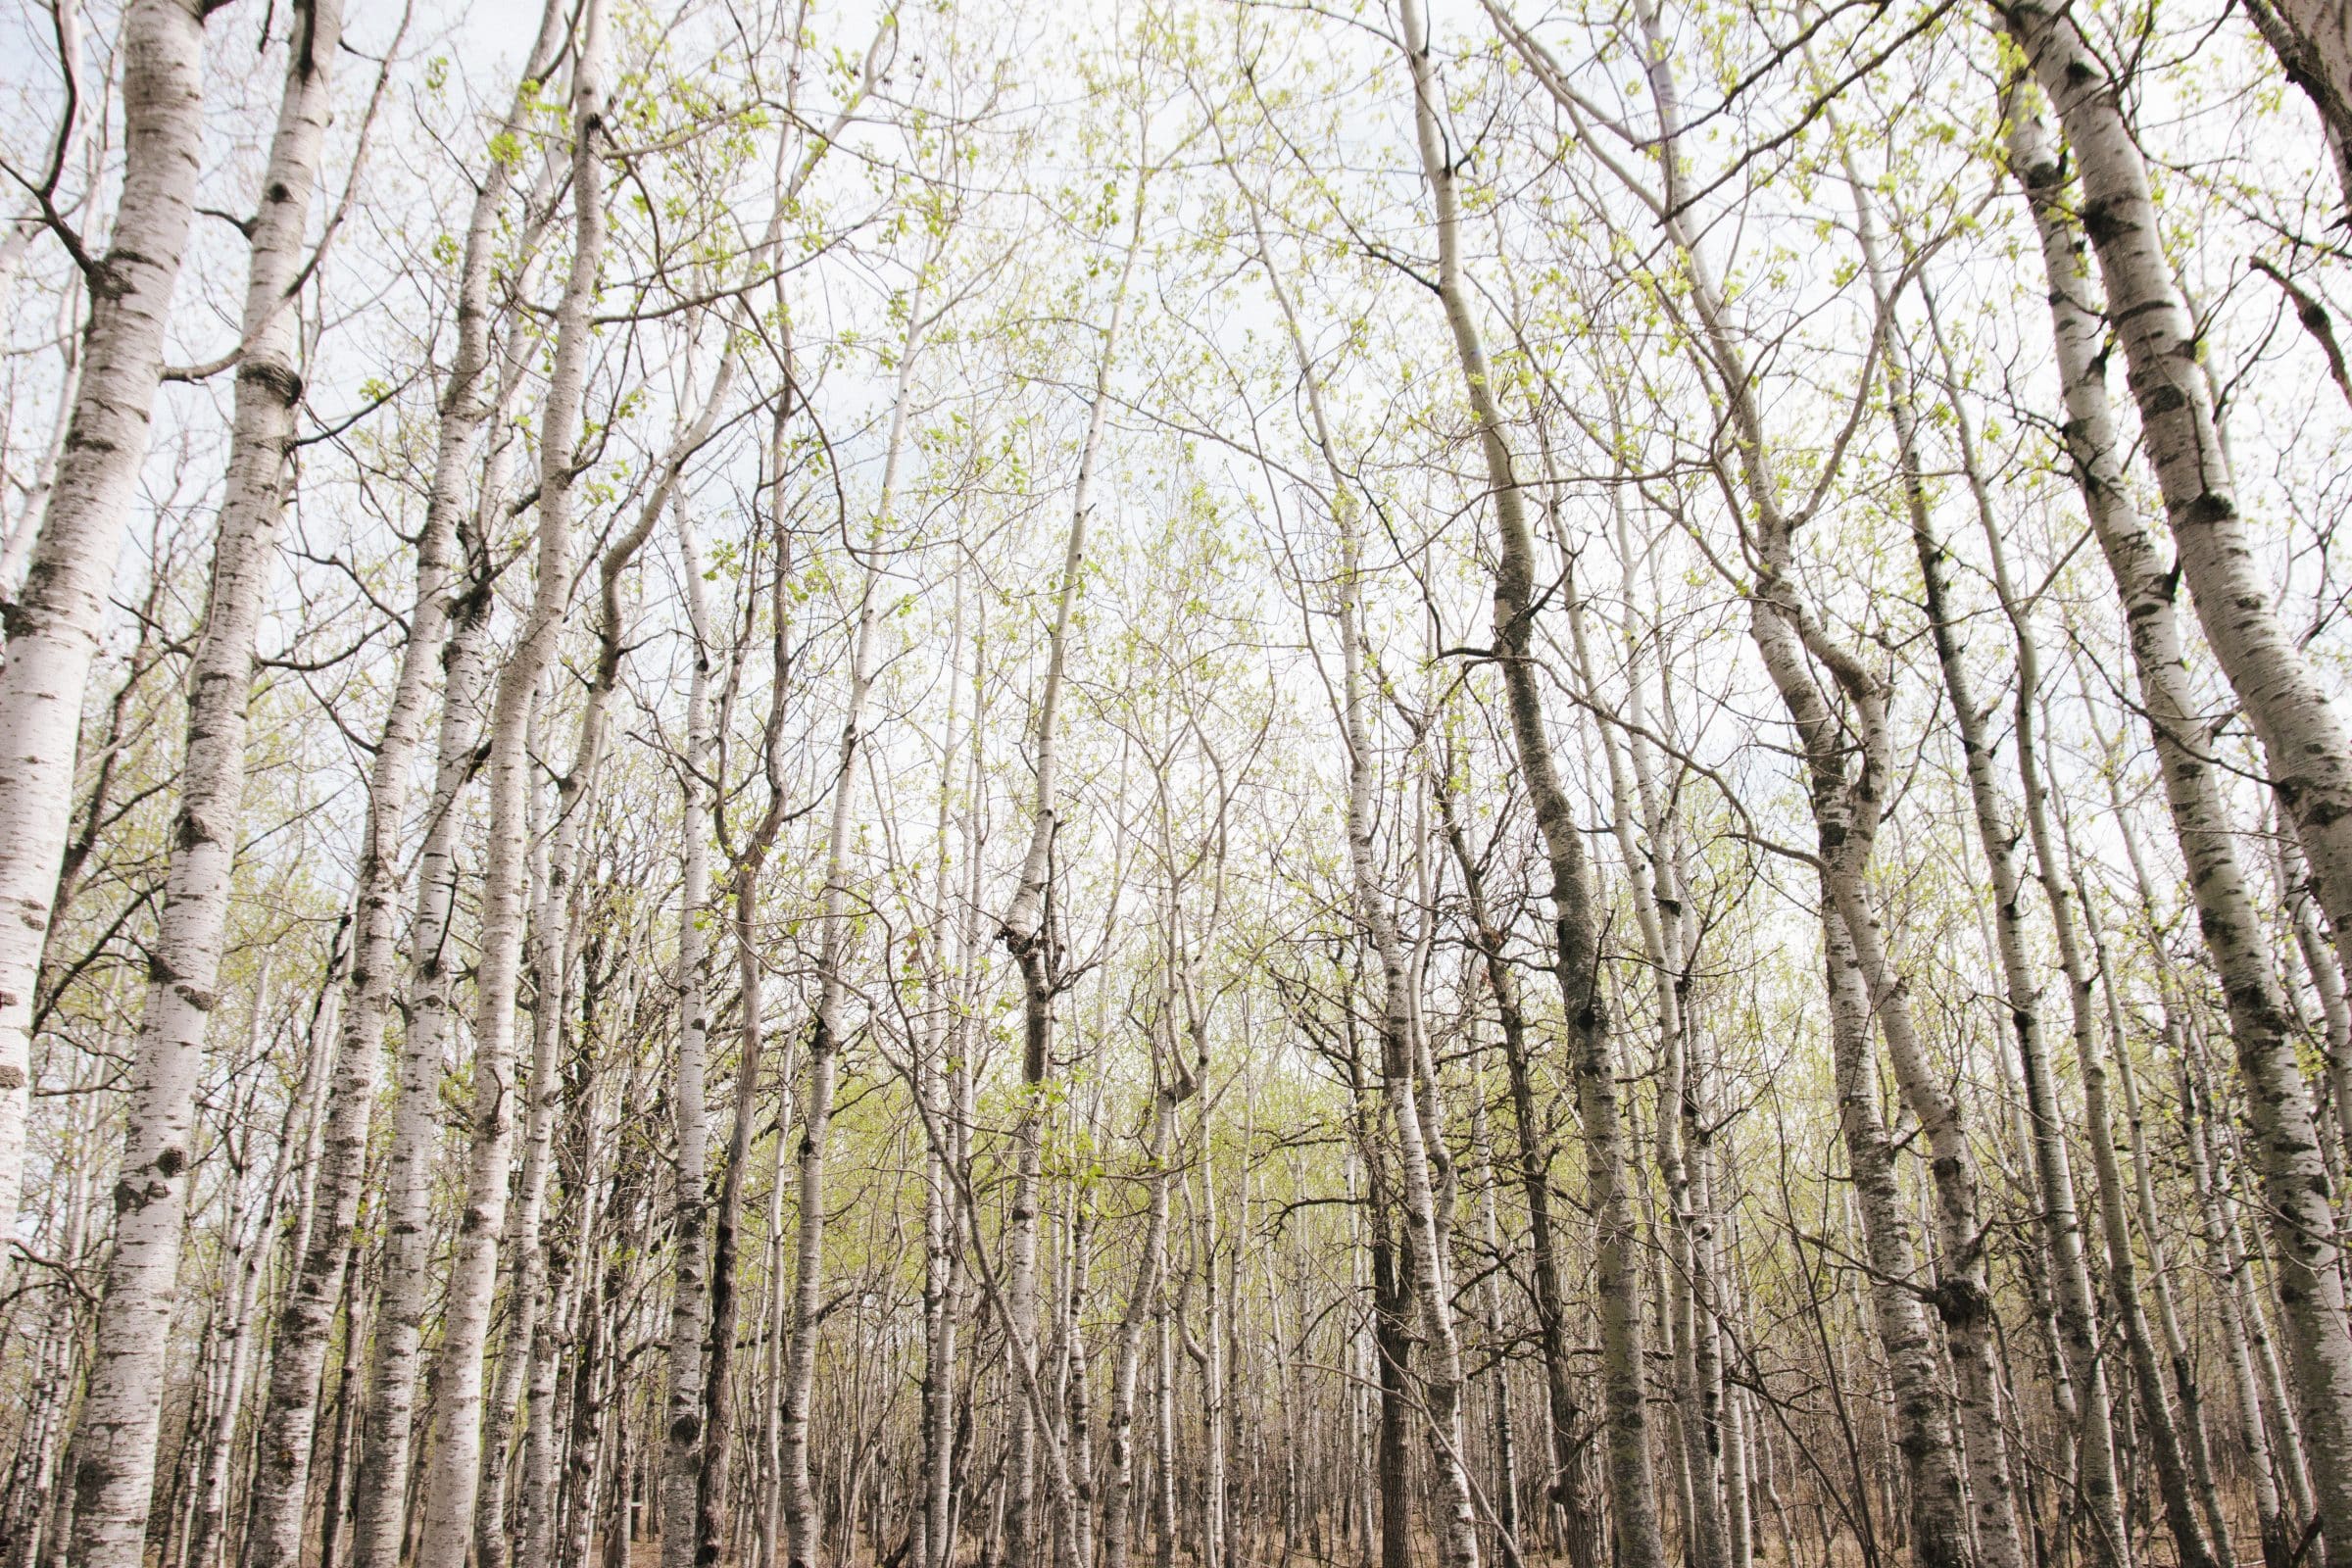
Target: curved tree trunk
<point>1633,1499</point>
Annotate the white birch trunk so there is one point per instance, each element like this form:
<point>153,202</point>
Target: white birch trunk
<point>54,623</point>
<point>2294,1176</point>
<point>690,1290</point>
<point>115,1444</point>
<point>275,1506</point>
<point>453,1479</point>
<point>1632,1488</point>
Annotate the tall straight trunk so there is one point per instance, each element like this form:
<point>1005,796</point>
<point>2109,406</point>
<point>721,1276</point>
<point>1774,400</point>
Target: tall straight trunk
<point>690,1283</point>
<point>801,1518</point>
<point>1633,1497</point>
<point>553,942</point>
<point>1078,1400</point>
<point>1534,1174</point>
<point>942,1076</point>
<point>2294,1176</point>
<point>1506,1437</point>
<point>281,1483</point>
<point>242,1270</point>
<point>522,1261</point>
<point>1151,1272</point>
<point>379,1513</point>
<point>2077,1307</point>
<point>53,623</point>
<point>1442,1378</point>
<point>748,862</point>
<point>114,1471</point>
<point>457,1376</point>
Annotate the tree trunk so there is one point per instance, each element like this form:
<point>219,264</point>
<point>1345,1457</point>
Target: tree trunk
<point>690,1282</point>
<point>458,1380</point>
<point>1633,1497</point>
<point>2061,1224</point>
<point>53,623</point>
<point>2295,1177</point>
<point>114,1469</point>
<point>281,1484</point>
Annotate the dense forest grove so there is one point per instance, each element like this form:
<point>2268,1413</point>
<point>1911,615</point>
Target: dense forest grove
<point>1227,783</point>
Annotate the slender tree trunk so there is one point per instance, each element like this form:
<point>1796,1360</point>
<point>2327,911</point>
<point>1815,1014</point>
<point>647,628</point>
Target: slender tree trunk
<point>2061,1223</point>
<point>387,1441</point>
<point>116,1445</point>
<point>1027,933</point>
<point>457,1381</point>
<point>748,862</point>
<point>2303,738</point>
<point>281,1484</point>
<point>690,1287</point>
<point>1938,1514</point>
<point>1632,1492</point>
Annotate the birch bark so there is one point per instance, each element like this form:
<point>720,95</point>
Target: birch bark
<point>275,1504</point>
<point>1632,1489</point>
<point>690,1291</point>
<point>2061,1217</point>
<point>2294,1176</point>
<point>457,1381</point>
<point>114,1472</point>
<point>53,623</point>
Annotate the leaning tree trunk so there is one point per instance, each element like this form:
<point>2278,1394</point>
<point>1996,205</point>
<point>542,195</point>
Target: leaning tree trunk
<point>455,1474</point>
<point>54,623</point>
<point>115,1467</point>
<point>2304,740</point>
<point>1633,1497</point>
<point>2294,1175</point>
<point>2176,1448</point>
<point>2314,47</point>
<point>2101,1493</point>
